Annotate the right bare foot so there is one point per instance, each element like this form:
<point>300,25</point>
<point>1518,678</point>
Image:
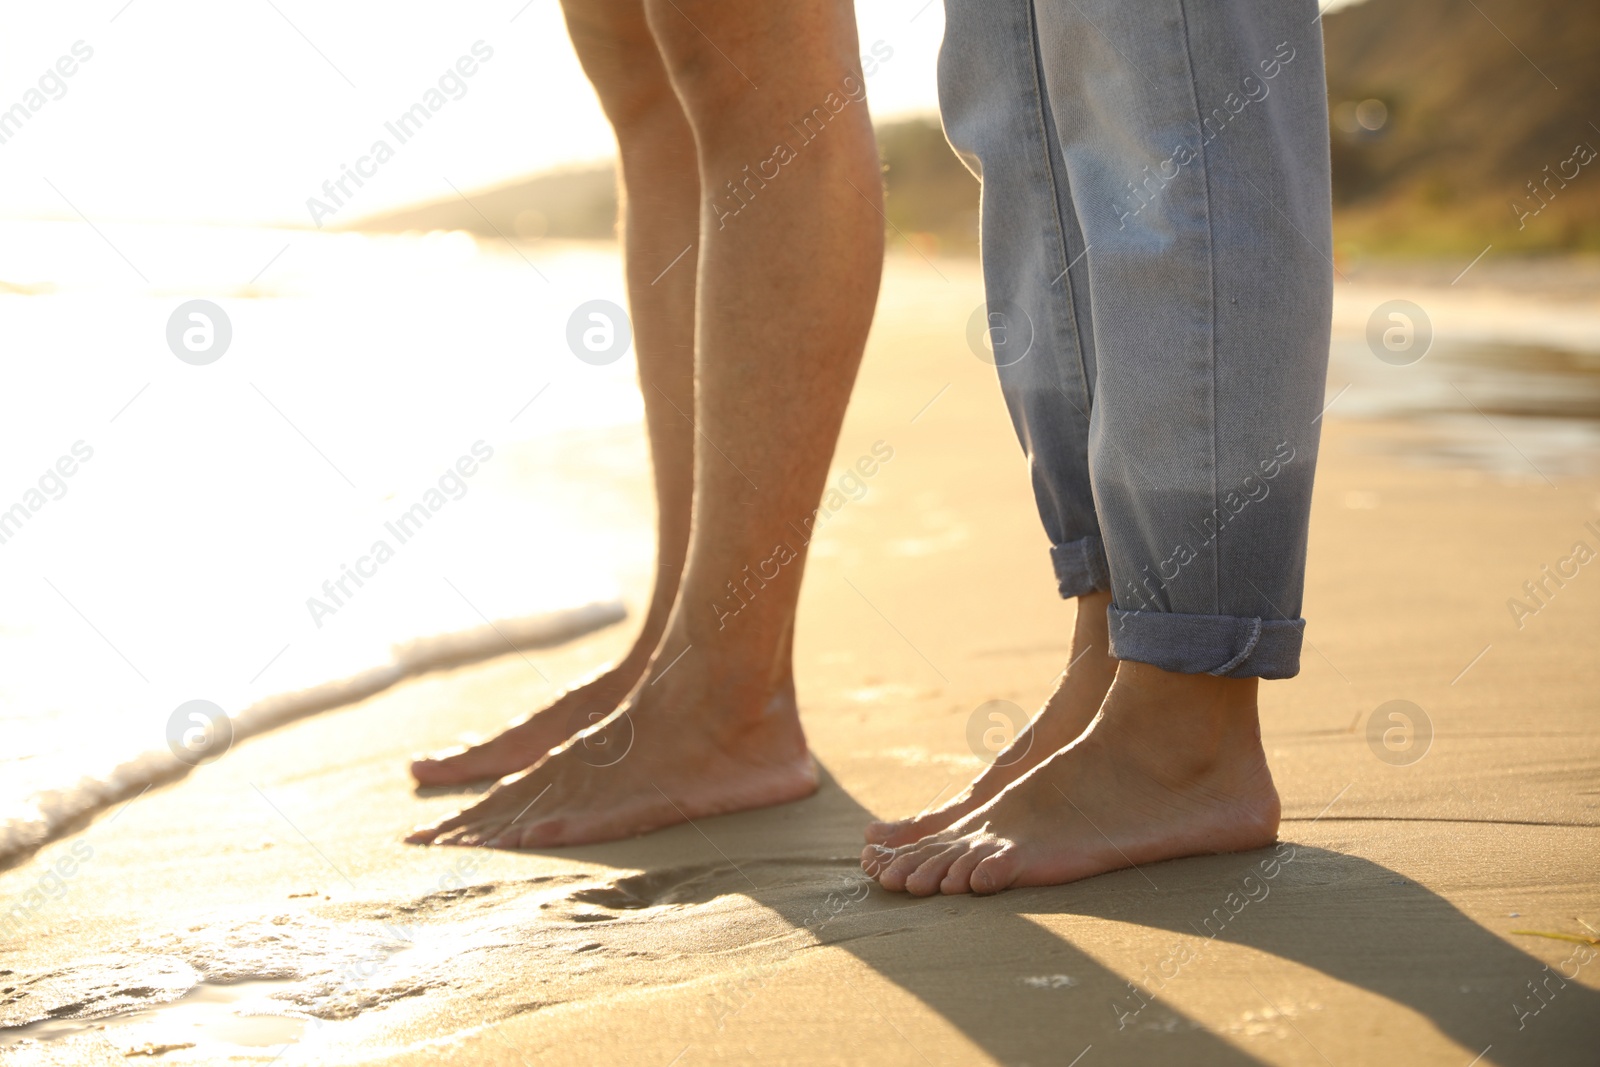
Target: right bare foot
<point>1068,712</point>
<point>524,743</point>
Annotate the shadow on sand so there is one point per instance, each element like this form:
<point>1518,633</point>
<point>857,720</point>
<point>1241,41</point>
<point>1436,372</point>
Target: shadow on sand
<point>1026,995</point>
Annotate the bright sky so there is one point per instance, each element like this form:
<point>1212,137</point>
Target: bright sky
<point>188,110</point>
<point>238,112</point>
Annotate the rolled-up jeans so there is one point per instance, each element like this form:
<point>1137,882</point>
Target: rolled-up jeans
<point>1156,237</point>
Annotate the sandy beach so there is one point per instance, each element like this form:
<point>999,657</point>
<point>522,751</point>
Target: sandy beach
<point>264,909</point>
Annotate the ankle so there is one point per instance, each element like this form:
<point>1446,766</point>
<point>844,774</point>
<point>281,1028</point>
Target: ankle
<point>714,680</point>
<point>1187,723</point>
<point>1091,639</point>
<point>755,644</point>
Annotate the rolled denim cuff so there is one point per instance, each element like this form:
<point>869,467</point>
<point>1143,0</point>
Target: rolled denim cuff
<point>1228,646</point>
<point>1080,567</point>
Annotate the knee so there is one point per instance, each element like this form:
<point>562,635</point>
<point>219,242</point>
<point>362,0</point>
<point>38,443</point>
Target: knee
<point>732,62</point>
<point>622,61</point>
<point>706,78</point>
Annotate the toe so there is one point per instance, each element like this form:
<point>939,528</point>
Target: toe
<point>471,817</point>
<point>906,861</point>
<point>542,834</point>
<point>905,831</point>
<point>958,879</point>
<point>473,762</point>
<point>424,835</point>
<point>924,881</point>
<point>874,858</point>
<point>434,770</point>
<point>996,872</point>
<point>472,826</point>
<point>438,768</point>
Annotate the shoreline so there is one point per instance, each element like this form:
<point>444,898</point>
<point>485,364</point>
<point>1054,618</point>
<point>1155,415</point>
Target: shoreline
<point>71,808</point>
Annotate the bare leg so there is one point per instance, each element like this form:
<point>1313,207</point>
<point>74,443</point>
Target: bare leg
<point>661,218</point>
<point>1065,715</point>
<point>1172,766</point>
<point>787,288</point>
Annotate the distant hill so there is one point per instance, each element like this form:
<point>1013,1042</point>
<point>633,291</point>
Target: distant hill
<point>578,203</point>
<point>930,197</point>
<point>1472,113</point>
<point>1440,120</point>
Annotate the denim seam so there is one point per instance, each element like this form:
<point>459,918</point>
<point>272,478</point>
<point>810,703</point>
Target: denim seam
<point>1046,126</point>
<point>1041,97</point>
<point>1249,647</point>
<point>1211,273</point>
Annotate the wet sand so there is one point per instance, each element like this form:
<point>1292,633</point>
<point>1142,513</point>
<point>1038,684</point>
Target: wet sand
<point>1384,930</point>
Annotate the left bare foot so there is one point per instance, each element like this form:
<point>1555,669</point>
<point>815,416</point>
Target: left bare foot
<point>695,745</point>
<point>1172,767</point>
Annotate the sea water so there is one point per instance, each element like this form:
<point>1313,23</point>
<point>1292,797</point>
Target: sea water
<point>368,464</point>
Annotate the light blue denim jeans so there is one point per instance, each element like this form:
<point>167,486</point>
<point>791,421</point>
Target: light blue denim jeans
<point>1156,233</point>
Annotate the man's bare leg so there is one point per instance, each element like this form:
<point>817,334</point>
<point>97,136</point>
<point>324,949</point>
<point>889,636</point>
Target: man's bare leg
<point>787,288</point>
<point>660,219</point>
<point>1173,766</point>
<point>1066,714</point>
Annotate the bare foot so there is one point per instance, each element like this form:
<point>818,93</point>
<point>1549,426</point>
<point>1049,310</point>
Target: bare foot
<point>1065,715</point>
<point>688,744</point>
<point>1172,767</point>
<point>524,743</point>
